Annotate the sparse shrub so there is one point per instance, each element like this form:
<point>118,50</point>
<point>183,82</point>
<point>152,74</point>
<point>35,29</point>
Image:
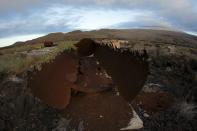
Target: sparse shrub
<point>187,110</point>
<point>2,74</point>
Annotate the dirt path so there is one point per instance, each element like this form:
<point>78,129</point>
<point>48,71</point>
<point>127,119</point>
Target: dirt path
<point>99,112</point>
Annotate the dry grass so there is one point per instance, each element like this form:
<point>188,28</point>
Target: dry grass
<point>16,60</point>
<point>27,48</point>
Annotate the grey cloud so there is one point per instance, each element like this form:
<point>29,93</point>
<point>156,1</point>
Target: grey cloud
<point>180,14</point>
<point>49,20</point>
<point>146,4</point>
<point>15,5</point>
<point>146,22</point>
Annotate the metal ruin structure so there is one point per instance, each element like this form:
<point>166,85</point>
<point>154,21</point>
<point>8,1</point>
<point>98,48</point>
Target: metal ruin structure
<point>96,66</point>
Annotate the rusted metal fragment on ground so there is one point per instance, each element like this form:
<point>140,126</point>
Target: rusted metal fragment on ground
<point>53,83</point>
<point>129,70</point>
<point>82,72</point>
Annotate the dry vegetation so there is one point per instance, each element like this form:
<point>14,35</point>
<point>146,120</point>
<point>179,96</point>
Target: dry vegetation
<point>17,59</point>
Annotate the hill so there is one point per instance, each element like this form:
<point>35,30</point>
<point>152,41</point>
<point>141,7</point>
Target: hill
<point>148,35</point>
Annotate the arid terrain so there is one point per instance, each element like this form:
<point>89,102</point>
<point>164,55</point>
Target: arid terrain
<point>167,100</point>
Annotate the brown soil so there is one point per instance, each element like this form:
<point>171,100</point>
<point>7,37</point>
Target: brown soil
<point>92,77</point>
<point>99,112</point>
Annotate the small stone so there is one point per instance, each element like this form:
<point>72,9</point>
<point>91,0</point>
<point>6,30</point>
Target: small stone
<point>81,126</point>
<point>101,116</point>
<point>135,123</point>
<point>146,115</point>
<point>117,93</point>
<point>62,124</point>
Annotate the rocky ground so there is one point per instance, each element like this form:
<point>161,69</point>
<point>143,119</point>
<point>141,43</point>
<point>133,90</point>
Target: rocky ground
<point>157,108</point>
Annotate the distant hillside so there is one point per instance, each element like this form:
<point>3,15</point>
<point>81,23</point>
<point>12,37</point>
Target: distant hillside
<point>134,35</point>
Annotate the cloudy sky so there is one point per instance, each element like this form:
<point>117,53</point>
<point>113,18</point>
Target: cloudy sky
<point>27,19</point>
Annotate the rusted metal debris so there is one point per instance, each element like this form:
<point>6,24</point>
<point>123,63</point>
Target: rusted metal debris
<point>95,67</point>
<point>48,44</point>
<point>129,70</point>
<point>54,82</point>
